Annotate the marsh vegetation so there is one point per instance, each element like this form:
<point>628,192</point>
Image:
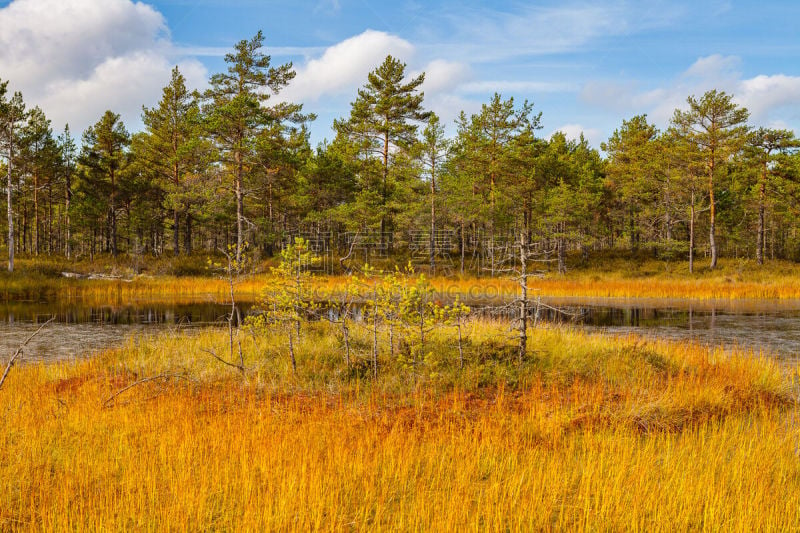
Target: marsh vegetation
<point>423,381</point>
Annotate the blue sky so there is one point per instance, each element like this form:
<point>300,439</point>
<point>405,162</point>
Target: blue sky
<point>585,65</point>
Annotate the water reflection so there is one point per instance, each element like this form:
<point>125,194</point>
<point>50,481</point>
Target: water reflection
<point>773,326</point>
<point>82,330</point>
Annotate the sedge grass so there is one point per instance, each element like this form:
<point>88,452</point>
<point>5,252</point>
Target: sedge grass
<point>590,433</point>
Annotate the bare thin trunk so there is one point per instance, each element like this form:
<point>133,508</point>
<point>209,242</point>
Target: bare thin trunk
<point>421,334</point>
<point>460,342</point>
<point>375,341</point>
<point>523,301</point>
<point>346,337</point>
<point>463,245</point>
<point>691,235</point>
<point>433,220</point>
<point>291,351</point>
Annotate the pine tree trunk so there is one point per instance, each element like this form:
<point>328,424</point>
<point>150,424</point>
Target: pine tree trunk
<point>384,191</point>
<point>667,201</point>
<point>562,252</point>
<point>187,242</point>
<point>67,199</point>
<point>10,206</point>
<point>49,220</point>
<point>112,218</point>
<point>712,229</point>
<point>36,213</point>
<point>176,221</point>
<point>761,209</point>
<point>239,205</point>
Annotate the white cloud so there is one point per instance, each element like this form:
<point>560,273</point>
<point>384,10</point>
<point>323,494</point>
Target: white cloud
<point>770,99</point>
<point>573,132</point>
<point>488,34</point>
<point>442,76</point>
<point>518,88</point>
<point>767,96</point>
<point>714,66</point>
<point>77,58</point>
<point>442,81</point>
<point>627,97</point>
<point>343,67</point>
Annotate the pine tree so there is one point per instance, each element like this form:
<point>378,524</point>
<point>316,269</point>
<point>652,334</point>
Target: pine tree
<point>68,151</point>
<point>12,114</point>
<point>434,148</point>
<point>40,151</point>
<point>382,124</point>
<point>103,158</point>
<point>172,149</point>
<point>633,173</point>
<point>487,143</point>
<point>235,114</point>
<point>762,146</point>
<point>715,126</point>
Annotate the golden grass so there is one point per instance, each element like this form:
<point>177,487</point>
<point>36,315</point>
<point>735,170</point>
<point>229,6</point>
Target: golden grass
<point>614,277</point>
<point>190,289</point>
<point>591,433</point>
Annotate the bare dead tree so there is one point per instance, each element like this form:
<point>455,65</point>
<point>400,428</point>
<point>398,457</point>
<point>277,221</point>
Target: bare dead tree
<point>232,270</point>
<point>523,299</point>
<point>519,260</point>
<point>340,312</point>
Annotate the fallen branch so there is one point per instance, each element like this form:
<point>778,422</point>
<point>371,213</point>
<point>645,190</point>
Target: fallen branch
<point>240,368</point>
<point>19,351</point>
<point>142,381</point>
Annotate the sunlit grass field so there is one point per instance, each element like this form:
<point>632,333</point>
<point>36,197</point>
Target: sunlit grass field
<point>39,279</point>
<point>588,433</point>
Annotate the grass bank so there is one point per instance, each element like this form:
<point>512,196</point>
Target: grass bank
<point>588,433</point>
<point>608,276</point>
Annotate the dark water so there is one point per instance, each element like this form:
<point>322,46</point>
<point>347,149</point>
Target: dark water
<point>82,330</point>
<point>771,326</point>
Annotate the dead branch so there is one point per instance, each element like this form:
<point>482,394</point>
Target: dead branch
<point>240,368</point>
<point>19,350</point>
<point>165,377</point>
<point>344,259</point>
